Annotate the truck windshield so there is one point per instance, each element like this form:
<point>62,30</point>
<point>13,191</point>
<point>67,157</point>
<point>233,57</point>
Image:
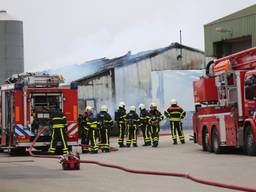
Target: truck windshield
<point>250,87</point>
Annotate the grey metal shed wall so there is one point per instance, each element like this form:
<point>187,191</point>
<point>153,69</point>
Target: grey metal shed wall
<point>168,60</point>
<point>239,27</point>
<point>11,48</point>
<point>134,83</point>
<point>99,88</point>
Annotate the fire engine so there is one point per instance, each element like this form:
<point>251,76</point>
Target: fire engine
<point>225,104</point>
<point>26,102</point>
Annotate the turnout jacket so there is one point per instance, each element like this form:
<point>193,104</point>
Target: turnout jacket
<point>92,122</point>
<point>132,118</point>
<point>155,117</point>
<point>175,113</point>
<point>58,120</point>
<point>104,120</point>
<point>120,115</point>
<point>144,117</point>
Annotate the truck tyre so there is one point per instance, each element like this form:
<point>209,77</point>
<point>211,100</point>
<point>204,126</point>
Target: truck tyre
<point>250,145</point>
<point>205,144</point>
<point>18,151</point>
<point>215,142</point>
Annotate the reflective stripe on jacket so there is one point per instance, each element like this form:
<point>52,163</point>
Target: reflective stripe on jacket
<point>175,113</point>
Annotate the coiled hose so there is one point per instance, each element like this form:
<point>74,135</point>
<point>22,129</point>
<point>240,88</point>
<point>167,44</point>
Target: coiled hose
<point>148,172</point>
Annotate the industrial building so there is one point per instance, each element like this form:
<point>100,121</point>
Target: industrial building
<point>11,46</point>
<point>231,33</point>
<point>129,78</point>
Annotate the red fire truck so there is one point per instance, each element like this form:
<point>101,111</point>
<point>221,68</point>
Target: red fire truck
<point>26,101</point>
<point>225,104</point>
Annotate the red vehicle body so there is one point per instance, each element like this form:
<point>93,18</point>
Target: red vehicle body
<point>225,104</point>
<point>29,98</point>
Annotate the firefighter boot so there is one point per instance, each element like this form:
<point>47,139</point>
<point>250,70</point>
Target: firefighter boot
<point>121,145</point>
<point>155,144</point>
<point>182,141</point>
<point>175,142</point>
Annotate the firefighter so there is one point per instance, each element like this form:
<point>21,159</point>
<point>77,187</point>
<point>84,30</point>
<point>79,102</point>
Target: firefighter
<point>144,124</point>
<point>59,123</point>
<point>35,123</point>
<point>176,114</point>
<point>120,115</point>
<point>132,120</point>
<point>79,123</point>
<point>105,123</point>
<point>84,130</point>
<point>92,125</point>
<point>155,118</point>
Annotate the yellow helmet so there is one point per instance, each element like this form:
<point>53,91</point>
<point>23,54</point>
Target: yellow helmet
<point>88,109</point>
<point>122,104</point>
<point>174,102</point>
<point>104,108</point>
<point>132,108</point>
<point>142,106</point>
<point>153,105</point>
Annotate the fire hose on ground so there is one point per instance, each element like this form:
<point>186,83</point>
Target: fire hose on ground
<point>149,172</point>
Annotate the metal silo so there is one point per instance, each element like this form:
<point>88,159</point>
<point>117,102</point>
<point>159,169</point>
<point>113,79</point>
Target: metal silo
<point>11,46</point>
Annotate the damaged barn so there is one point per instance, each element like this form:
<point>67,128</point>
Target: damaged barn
<point>129,78</point>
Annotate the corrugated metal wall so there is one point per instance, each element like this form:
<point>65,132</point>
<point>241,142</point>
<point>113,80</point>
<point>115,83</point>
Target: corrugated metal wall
<point>99,89</point>
<point>239,27</point>
<point>134,82</point>
<point>168,60</point>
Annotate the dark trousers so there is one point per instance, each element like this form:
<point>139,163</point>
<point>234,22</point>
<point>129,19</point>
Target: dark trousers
<point>84,138</point>
<point>92,140</point>
<point>155,133</point>
<point>131,135</point>
<point>176,126</point>
<point>145,128</point>
<point>58,134</point>
<point>121,133</point>
<point>104,139</point>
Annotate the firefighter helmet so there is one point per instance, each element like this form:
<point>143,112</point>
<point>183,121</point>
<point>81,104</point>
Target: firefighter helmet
<point>104,108</point>
<point>122,104</point>
<point>88,109</point>
<point>142,106</point>
<point>153,106</point>
<point>173,102</point>
<point>132,108</point>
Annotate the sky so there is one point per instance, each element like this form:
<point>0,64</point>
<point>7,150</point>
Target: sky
<point>65,32</point>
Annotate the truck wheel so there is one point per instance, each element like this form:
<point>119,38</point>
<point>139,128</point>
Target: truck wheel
<point>250,144</point>
<point>215,142</point>
<point>205,144</point>
<point>18,151</point>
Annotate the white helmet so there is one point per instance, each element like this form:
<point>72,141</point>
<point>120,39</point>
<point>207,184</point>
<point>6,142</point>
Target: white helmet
<point>153,105</point>
<point>132,108</point>
<point>173,102</point>
<point>104,108</point>
<point>141,106</point>
<point>88,109</point>
<point>122,104</point>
